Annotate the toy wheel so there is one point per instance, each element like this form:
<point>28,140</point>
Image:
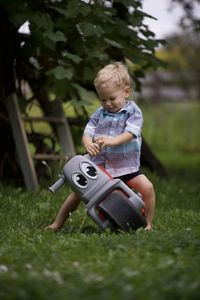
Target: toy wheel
<point>119,211</point>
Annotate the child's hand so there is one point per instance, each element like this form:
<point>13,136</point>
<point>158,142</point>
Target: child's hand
<point>112,141</point>
<point>93,149</point>
<point>105,141</point>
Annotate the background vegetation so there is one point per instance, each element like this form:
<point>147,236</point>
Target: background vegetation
<point>58,58</point>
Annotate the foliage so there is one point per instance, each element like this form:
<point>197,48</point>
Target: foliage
<point>181,53</point>
<point>173,57</point>
<point>190,19</point>
<point>68,42</point>
<point>71,40</point>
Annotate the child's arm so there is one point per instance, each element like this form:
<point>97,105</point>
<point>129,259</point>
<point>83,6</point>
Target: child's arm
<point>107,141</point>
<point>91,147</point>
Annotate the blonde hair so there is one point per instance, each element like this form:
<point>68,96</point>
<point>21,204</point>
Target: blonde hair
<point>116,73</point>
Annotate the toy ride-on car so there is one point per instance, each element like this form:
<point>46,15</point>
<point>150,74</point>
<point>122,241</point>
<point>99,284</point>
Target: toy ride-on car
<point>110,203</point>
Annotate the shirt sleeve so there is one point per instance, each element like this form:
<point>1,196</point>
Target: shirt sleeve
<point>134,122</point>
<point>92,123</point>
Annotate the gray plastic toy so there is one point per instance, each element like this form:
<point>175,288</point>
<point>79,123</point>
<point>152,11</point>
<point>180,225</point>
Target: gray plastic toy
<point>110,203</point>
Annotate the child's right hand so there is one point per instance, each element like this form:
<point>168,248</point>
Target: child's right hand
<point>93,149</point>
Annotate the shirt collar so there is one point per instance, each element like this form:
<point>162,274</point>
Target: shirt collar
<point>124,108</point>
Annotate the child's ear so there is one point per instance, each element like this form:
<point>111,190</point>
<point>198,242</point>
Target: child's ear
<point>127,90</point>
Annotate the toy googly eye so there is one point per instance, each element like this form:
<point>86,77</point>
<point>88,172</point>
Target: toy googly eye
<point>79,180</point>
<point>89,170</point>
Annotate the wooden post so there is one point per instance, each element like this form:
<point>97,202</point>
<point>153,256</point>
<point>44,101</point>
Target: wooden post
<point>63,129</point>
<point>21,143</point>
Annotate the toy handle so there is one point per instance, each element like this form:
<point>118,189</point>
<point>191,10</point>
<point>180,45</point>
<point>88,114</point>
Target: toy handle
<point>57,184</point>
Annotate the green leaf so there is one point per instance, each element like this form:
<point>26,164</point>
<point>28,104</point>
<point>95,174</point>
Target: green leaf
<point>73,9</point>
<point>113,43</point>
<point>42,21</point>
<point>75,58</point>
<point>60,72</point>
<point>130,3</point>
<point>88,74</point>
<point>61,11</point>
<point>136,19</point>
<point>87,29</point>
<point>85,9</point>
<point>57,36</point>
<point>99,31</point>
<point>148,16</point>
<point>147,33</point>
<point>84,95</point>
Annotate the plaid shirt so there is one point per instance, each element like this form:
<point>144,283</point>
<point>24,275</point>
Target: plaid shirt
<point>123,159</point>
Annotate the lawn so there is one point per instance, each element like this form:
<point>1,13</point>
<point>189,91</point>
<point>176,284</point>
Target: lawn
<point>81,262</point>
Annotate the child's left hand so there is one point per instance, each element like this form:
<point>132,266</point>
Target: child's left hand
<point>105,141</point>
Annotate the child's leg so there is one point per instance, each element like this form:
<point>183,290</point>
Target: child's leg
<point>142,185</point>
<point>70,204</point>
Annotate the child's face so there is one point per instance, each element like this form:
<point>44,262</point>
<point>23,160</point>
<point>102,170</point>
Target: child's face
<point>113,98</point>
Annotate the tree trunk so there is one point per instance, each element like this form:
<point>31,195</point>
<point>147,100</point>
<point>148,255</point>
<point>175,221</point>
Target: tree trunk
<point>9,165</point>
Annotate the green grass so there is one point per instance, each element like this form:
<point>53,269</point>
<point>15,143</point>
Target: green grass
<point>172,131</point>
<point>81,262</point>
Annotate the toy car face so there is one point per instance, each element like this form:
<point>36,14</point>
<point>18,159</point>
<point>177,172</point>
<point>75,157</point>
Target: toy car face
<point>84,177</point>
